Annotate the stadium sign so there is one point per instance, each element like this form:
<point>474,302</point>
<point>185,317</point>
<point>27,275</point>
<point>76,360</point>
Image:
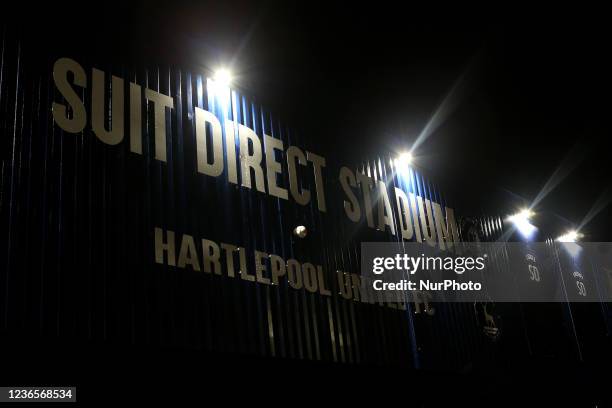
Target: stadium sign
<point>234,151</point>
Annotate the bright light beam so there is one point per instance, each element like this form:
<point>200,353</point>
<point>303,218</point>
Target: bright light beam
<point>522,224</point>
<point>405,159</point>
<point>602,202</point>
<point>223,78</point>
<point>570,236</point>
<point>573,158</point>
<point>447,107</point>
<point>403,162</point>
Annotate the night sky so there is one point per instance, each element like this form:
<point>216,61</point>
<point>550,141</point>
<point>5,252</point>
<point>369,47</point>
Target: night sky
<point>518,95</point>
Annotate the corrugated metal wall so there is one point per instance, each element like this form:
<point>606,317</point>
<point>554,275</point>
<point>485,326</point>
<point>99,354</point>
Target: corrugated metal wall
<point>77,238</point>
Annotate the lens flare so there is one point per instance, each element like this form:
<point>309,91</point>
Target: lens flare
<point>570,236</point>
<point>522,224</point>
<point>403,162</point>
<point>223,77</point>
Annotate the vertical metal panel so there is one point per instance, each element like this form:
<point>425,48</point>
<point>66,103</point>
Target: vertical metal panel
<point>77,219</point>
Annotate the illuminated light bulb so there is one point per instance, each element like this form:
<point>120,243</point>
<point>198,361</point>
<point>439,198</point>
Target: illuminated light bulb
<point>300,231</point>
<point>223,77</point>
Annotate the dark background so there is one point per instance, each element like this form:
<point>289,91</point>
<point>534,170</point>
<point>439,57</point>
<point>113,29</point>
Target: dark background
<point>520,95</point>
